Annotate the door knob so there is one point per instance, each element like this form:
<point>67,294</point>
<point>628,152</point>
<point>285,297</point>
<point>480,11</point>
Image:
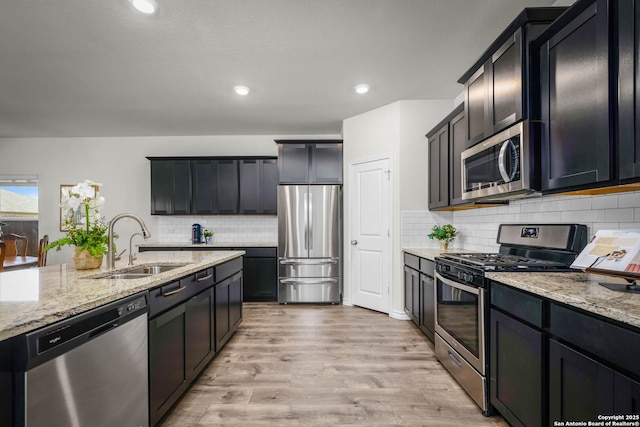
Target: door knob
<point>354,242</point>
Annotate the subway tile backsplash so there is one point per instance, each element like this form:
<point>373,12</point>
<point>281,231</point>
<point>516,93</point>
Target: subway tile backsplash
<point>479,227</point>
<point>226,229</point>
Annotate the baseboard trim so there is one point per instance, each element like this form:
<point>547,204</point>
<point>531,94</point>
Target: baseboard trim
<point>347,302</point>
<point>400,315</point>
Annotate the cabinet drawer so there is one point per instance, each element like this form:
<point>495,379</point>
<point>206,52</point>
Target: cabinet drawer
<point>412,261</point>
<point>228,269</point>
<point>166,296</point>
<point>259,252</point>
<point>427,267</point>
<point>521,305</point>
<point>612,343</point>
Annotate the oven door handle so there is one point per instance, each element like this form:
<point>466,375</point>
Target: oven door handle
<point>457,285</point>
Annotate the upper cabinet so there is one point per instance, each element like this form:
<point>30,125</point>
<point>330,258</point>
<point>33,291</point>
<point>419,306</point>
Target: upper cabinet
<point>575,99</point>
<point>213,185</point>
<point>310,162</point>
<point>589,75</point>
<point>498,85</point>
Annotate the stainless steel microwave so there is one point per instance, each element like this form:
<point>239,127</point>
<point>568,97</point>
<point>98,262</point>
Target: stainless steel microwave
<point>498,167</point>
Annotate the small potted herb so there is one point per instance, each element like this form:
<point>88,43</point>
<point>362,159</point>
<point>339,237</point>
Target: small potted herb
<point>445,234</point>
<point>208,236</point>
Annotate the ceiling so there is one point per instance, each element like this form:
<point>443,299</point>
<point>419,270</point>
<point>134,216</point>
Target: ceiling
<point>97,68</point>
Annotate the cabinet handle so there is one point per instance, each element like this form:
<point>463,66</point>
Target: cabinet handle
<point>202,279</point>
<point>175,291</point>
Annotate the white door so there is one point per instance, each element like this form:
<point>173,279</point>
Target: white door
<point>370,233</point>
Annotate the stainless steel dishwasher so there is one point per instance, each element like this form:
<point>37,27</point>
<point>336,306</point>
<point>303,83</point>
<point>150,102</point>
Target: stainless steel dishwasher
<point>89,370</point>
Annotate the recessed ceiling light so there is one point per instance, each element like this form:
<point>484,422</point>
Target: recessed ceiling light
<point>148,7</point>
<point>242,90</point>
<point>361,89</point>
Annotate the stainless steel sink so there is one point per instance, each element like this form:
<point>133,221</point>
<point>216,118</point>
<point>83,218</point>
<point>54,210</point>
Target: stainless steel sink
<point>137,272</point>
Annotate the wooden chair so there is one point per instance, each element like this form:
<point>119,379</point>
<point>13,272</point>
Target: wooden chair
<point>42,254</point>
<point>12,258</point>
<point>2,250</point>
<point>11,244</point>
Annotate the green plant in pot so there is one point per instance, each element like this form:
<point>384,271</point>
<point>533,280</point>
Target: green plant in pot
<point>444,234</point>
<point>85,228</point>
<point>208,236</point>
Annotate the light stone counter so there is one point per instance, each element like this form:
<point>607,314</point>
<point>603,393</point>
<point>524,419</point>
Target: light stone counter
<point>36,297</point>
<point>580,290</point>
<point>430,253</point>
<point>212,245</point>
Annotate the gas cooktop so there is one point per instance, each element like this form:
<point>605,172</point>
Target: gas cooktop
<point>504,262</point>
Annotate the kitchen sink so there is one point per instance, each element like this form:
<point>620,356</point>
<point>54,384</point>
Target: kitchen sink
<point>137,272</point>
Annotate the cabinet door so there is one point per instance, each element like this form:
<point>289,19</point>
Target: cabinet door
<point>222,312</point>
<point>293,163</point>
<point>457,144</point>
<point>506,83</point>
<point>199,332</point>
<point>516,360</point>
<point>260,279</point>
<point>427,306</point>
<point>476,106</point>
<point>250,187</point>
<point>439,168</point>
<point>167,364</point>
<point>215,186</point>
<point>170,187</point>
<point>235,301</point>
<point>576,135</point>
<point>579,388</point>
<point>411,293</point>
<point>629,80</point>
<point>269,186</point>
<point>626,398</point>
<point>326,164</point>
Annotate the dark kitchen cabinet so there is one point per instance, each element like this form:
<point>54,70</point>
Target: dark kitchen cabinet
<point>498,86</point>
<point>575,93</point>
<point>580,388</point>
<point>516,369</point>
<point>167,361</point>
<point>626,395</point>
<point>309,162</point>
<point>457,144</point>
<point>199,332</point>
<point>215,186</point>
<point>412,288</point>
<point>426,316</point>
<point>629,95</point>
<point>228,297</point>
<point>258,186</point>
<point>170,187</point>
<point>439,168</point>
<point>260,276</point>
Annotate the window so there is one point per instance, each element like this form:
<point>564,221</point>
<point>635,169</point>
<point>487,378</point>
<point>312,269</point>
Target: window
<point>19,208</point>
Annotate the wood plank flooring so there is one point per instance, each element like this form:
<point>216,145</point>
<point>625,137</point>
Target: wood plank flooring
<point>326,365</point>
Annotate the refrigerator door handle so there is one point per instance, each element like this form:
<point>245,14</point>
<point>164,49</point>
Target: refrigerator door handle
<point>310,201</point>
<point>310,261</point>
<point>309,281</point>
<point>306,220</point>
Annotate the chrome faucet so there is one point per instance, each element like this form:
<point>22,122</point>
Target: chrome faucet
<point>111,258</point>
<point>131,256</point>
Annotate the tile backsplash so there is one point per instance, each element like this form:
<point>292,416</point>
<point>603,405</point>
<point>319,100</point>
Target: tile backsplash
<point>231,229</point>
<point>479,227</point>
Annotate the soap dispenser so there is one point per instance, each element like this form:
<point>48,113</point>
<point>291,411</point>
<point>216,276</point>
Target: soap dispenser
<point>196,234</point>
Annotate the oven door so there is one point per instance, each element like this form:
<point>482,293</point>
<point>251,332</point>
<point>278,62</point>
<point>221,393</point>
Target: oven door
<point>497,166</point>
<point>460,319</point>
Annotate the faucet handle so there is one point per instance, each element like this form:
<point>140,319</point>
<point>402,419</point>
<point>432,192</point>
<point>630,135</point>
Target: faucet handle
<point>119,256</point>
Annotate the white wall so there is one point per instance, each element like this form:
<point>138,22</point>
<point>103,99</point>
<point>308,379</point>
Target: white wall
<point>398,130</point>
<point>120,165</point>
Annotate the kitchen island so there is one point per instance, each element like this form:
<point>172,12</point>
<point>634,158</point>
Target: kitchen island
<point>192,304</point>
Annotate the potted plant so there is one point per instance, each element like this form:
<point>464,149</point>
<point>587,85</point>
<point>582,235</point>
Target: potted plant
<point>445,234</point>
<point>208,236</point>
<point>86,229</point>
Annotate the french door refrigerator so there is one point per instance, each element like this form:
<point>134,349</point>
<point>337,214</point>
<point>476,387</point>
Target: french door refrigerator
<point>309,243</point>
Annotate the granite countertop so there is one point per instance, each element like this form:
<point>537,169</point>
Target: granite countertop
<point>430,253</point>
<point>212,245</point>
<point>580,290</point>
<point>36,297</point>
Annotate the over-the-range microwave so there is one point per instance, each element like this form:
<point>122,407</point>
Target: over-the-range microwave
<point>500,167</point>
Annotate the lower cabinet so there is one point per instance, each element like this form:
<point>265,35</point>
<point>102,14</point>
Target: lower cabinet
<point>516,364</point>
<point>419,293</point>
<point>411,293</point>
<point>189,321</point>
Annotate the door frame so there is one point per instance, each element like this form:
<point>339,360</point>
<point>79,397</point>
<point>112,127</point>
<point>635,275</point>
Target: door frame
<point>348,296</point>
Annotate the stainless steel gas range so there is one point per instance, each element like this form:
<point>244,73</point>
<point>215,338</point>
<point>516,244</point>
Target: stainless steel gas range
<point>462,300</point>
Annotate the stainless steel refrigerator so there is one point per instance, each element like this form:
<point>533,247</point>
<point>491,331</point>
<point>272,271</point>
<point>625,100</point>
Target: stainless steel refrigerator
<point>310,243</point>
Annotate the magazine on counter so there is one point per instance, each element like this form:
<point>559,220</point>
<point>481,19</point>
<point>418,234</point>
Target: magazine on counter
<point>611,251</point>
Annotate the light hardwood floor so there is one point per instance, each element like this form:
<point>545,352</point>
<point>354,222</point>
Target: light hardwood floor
<point>326,365</point>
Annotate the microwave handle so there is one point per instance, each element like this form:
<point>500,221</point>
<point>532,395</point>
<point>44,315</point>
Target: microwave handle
<point>501,158</point>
